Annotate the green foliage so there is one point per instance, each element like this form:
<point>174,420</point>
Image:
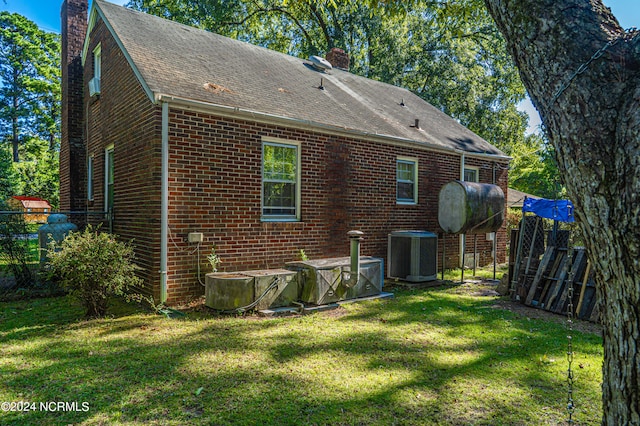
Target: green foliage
<point>29,109</point>
<point>8,178</point>
<point>15,249</point>
<point>30,77</point>
<point>214,260</point>
<point>39,172</point>
<point>93,266</point>
<point>534,169</point>
<point>303,255</point>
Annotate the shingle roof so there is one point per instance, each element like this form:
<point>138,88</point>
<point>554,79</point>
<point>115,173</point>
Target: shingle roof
<point>185,62</point>
<point>32,202</point>
<point>516,198</point>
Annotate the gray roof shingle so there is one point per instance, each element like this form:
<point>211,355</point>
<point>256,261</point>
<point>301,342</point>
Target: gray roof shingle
<point>189,63</point>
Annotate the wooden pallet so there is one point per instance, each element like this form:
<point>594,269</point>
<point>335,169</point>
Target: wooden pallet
<point>549,281</point>
<point>544,283</point>
<point>576,270</point>
<point>533,295</point>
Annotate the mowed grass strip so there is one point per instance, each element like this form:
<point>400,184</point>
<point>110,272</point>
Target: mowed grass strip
<point>437,356</point>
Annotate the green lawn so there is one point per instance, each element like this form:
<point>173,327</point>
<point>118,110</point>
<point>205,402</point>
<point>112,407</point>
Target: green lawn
<point>427,357</point>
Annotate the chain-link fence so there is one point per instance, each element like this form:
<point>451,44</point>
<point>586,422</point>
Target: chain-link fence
<point>24,236</point>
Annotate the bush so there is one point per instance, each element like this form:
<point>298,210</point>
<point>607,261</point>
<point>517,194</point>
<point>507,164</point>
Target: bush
<point>93,266</point>
<point>14,248</point>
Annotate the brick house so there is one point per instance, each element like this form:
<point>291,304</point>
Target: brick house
<point>179,130</point>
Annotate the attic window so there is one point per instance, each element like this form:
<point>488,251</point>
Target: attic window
<point>94,83</point>
<point>97,62</point>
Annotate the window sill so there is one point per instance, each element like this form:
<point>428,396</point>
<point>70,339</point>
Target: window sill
<point>279,219</point>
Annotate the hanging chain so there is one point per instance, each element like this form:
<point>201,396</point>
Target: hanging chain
<point>582,68</point>
<point>570,405</point>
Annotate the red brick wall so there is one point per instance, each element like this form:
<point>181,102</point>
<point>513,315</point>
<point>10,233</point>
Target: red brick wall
<point>123,116</point>
<point>347,184</point>
<point>215,185</point>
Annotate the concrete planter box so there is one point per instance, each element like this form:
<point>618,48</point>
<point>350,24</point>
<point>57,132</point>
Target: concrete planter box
<point>285,287</point>
<point>227,291</point>
<point>322,280</point>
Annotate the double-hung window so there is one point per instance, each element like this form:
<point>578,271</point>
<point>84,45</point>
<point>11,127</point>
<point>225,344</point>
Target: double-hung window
<point>97,62</point>
<point>406,180</point>
<point>280,180</point>
<point>108,179</point>
<point>471,174</point>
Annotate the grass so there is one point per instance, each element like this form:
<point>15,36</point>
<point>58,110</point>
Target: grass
<point>437,356</point>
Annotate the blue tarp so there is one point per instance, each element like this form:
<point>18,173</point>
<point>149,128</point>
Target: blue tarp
<point>560,210</point>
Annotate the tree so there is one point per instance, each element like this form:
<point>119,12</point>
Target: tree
<point>7,177</point>
<point>30,76</point>
<point>534,169</point>
<point>582,71</point>
<point>38,173</point>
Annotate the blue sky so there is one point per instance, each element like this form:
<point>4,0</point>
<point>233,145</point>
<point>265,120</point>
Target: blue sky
<point>46,13</point>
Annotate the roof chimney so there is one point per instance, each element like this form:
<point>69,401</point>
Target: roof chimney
<point>73,16</point>
<point>338,58</point>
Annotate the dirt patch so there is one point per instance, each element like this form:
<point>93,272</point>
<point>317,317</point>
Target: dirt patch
<point>529,312</point>
<point>487,288</point>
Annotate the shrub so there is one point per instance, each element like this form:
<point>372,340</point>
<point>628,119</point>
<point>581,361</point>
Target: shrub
<point>14,248</point>
<point>93,266</point>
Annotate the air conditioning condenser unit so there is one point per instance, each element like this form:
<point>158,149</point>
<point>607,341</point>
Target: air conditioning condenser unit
<point>412,255</point>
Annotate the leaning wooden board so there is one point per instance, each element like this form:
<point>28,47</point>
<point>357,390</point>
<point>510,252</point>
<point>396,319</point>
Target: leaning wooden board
<point>547,258</point>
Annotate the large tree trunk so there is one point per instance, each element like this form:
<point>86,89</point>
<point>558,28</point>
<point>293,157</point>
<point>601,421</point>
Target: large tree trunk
<point>590,107</point>
<point>15,136</point>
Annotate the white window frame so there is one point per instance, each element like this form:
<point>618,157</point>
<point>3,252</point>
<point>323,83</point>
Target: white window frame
<point>97,62</point>
<point>475,170</point>
<point>90,178</point>
<point>108,201</point>
<point>281,217</point>
<point>414,162</point>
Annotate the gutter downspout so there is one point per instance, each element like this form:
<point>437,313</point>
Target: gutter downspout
<point>463,237</point>
<point>164,203</point>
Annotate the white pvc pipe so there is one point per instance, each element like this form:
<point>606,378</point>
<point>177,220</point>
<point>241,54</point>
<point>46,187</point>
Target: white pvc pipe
<point>164,203</point>
<point>462,238</point>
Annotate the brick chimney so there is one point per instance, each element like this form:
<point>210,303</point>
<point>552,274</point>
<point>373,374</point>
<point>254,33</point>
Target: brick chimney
<point>338,58</point>
<point>73,27</point>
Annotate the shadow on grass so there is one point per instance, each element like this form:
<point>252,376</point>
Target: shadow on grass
<point>426,357</point>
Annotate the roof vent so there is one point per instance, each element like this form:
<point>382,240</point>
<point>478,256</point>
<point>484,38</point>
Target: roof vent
<point>320,63</point>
